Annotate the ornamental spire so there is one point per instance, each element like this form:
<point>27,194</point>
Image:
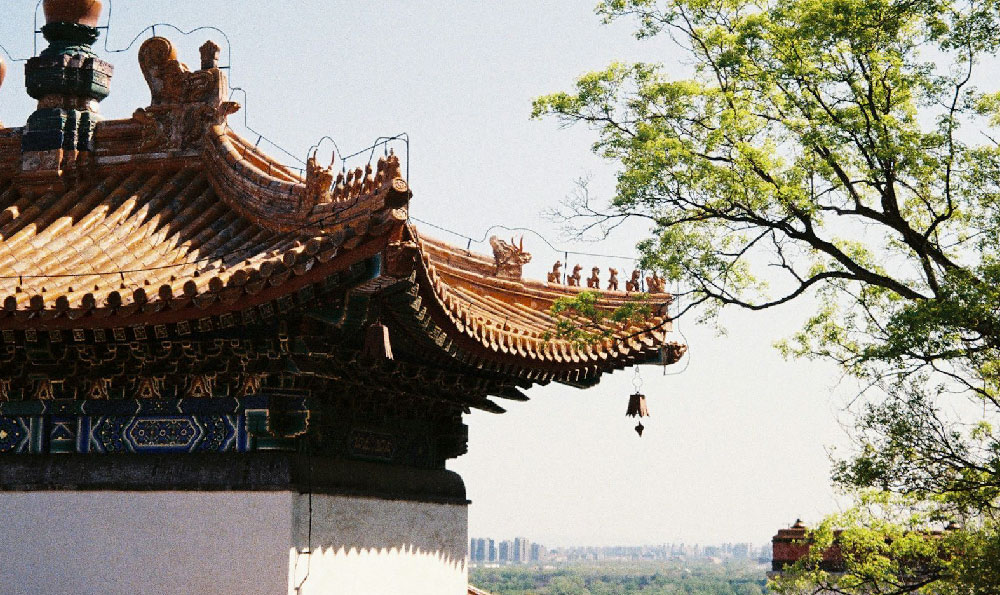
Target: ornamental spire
<point>68,80</point>
<point>77,12</point>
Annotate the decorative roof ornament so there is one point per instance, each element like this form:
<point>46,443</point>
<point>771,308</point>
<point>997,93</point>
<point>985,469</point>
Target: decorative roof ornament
<point>633,284</point>
<point>171,81</point>
<point>210,55</point>
<point>656,284</point>
<point>319,181</point>
<point>510,258</point>
<point>574,279</point>
<point>77,12</point>
<point>69,81</point>
<point>184,105</point>
<point>556,275</point>
<point>637,403</point>
<point>594,281</point>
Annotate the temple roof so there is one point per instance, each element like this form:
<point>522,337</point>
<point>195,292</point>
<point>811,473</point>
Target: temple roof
<point>512,316</point>
<point>170,216</point>
<point>139,234</point>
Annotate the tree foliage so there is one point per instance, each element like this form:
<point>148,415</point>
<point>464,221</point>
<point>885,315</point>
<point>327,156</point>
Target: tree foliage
<point>888,549</point>
<point>841,149</point>
<point>579,319</point>
<point>621,578</point>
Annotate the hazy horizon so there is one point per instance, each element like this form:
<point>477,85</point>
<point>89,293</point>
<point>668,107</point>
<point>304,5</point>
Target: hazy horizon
<point>552,546</point>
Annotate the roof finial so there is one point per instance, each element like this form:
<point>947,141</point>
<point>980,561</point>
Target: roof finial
<point>210,55</point>
<point>68,80</point>
<point>77,12</point>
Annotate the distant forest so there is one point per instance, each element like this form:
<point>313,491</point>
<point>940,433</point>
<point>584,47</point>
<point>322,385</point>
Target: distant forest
<point>621,578</point>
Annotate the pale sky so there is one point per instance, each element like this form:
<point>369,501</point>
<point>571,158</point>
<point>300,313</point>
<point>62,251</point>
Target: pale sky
<point>737,446</point>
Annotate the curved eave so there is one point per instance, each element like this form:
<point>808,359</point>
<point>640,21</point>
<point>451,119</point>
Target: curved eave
<point>470,267</point>
<point>505,323</point>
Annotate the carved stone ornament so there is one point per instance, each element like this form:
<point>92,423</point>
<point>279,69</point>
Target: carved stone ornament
<point>185,104</point>
<point>574,279</point>
<point>594,281</point>
<point>319,181</point>
<point>509,258</point>
<point>210,55</point>
<point>655,284</point>
<point>556,275</point>
<point>613,279</point>
<point>633,283</point>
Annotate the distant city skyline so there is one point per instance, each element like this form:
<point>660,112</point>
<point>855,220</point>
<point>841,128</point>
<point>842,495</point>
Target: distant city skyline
<point>521,550</point>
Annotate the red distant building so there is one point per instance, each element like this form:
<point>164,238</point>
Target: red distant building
<point>792,544</point>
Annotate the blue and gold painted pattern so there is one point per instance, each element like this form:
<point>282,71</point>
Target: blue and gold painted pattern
<point>142,426</point>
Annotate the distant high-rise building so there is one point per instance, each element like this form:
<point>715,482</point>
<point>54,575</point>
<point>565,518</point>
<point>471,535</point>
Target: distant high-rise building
<point>521,545</point>
<point>492,551</point>
<point>506,552</point>
<point>537,552</point>
<point>477,550</point>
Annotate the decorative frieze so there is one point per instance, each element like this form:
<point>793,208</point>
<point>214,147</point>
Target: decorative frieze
<point>328,426</point>
<point>147,426</point>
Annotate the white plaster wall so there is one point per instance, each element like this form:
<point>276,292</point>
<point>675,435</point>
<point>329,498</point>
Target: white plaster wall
<point>228,543</point>
<point>137,543</point>
<point>378,547</point>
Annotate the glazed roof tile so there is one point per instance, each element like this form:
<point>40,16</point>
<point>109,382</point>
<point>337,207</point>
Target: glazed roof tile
<point>173,214</point>
<point>147,232</point>
<point>512,316</point>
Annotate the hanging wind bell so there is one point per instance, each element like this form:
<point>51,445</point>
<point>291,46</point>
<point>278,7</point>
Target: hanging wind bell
<point>637,404</point>
<point>377,345</point>
<point>637,407</point>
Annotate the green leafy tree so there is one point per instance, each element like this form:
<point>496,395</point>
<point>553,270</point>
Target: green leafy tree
<point>580,320</point>
<point>841,149</point>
